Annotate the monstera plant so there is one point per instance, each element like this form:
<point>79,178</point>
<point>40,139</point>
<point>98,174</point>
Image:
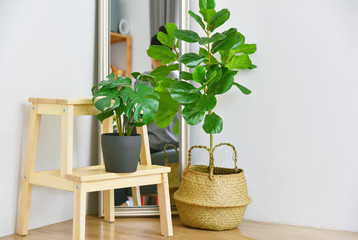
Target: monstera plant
<point>213,71</point>
<point>131,108</point>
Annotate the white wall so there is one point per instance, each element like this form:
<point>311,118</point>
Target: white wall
<point>137,14</point>
<point>47,49</point>
<point>297,133</point>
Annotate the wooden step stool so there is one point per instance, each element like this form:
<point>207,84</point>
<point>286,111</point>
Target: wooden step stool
<point>85,179</point>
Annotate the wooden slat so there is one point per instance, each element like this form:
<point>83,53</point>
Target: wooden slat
<point>166,226</point>
<point>145,158</point>
<point>107,184</point>
<point>66,140</point>
<point>85,109</point>
<point>87,174</point>
<point>30,163</point>
<point>117,37</point>
<point>129,57</point>
<point>49,109</point>
<point>51,179</point>
<point>63,101</point>
<point>108,202</point>
<point>79,212</point>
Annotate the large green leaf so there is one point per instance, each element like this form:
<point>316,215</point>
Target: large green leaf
<point>226,43</point>
<point>197,19</point>
<point>249,48</point>
<point>165,40</point>
<point>203,51</point>
<point>162,53</point>
<point>240,40</point>
<point>243,89</point>
<point>143,105</point>
<point>170,27</point>
<point>164,71</point>
<point>213,74</point>
<point>199,74</point>
<point>180,92</point>
<point>191,59</point>
<point>222,85</point>
<point>186,75</point>
<point>219,19</point>
<point>239,62</point>
<point>167,110</point>
<point>192,114</point>
<point>214,38</point>
<point>176,128</point>
<point>206,102</point>
<point>207,14</point>
<point>226,55</point>
<point>187,35</point>
<point>213,124</point>
<point>208,4</point>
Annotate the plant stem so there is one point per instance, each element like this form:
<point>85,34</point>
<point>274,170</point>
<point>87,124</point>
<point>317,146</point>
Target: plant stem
<point>211,144</point>
<point>119,123</point>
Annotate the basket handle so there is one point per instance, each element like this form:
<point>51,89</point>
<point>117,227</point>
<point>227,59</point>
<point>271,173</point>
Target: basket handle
<point>165,151</point>
<point>211,154</point>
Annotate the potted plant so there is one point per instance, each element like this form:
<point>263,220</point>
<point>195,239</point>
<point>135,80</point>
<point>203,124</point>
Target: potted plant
<point>132,108</point>
<point>208,197</point>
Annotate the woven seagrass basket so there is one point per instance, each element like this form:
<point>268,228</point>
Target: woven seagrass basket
<point>214,198</point>
<point>173,176</point>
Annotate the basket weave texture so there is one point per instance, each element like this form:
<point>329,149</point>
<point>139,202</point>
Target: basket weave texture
<point>212,198</point>
<point>173,176</point>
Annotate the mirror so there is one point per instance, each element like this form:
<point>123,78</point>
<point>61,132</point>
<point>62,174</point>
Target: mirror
<point>130,36</point>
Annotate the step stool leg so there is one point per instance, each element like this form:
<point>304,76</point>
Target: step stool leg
<point>30,162</point>
<point>108,199</point>
<point>166,226</point>
<point>79,212</point>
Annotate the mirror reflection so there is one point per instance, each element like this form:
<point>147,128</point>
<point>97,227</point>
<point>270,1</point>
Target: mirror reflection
<point>134,27</point>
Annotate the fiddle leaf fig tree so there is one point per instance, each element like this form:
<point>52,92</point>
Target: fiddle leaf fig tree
<point>213,68</point>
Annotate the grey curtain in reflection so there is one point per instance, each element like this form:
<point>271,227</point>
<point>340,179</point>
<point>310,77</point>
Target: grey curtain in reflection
<point>161,13</point>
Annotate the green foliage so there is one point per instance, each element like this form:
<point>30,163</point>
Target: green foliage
<point>214,68</point>
<point>115,96</point>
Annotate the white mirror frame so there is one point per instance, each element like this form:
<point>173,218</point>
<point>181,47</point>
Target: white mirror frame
<point>103,71</point>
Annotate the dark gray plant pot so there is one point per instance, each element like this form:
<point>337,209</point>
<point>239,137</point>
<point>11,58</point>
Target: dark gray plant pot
<point>121,153</point>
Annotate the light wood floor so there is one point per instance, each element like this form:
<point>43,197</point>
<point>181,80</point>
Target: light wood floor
<point>148,229</point>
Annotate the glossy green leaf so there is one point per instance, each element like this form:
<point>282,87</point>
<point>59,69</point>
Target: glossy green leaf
<point>226,43</point>
<point>213,74</point>
<point>207,14</point>
<point>252,66</point>
<point>176,128</point>
<point>206,102</point>
<point>191,59</point>
<point>187,35</point>
<point>249,48</point>
<point>170,27</point>
<point>240,40</point>
<point>243,89</point>
<point>180,92</point>
<point>162,53</point>
<point>222,85</point>
<point>199,74</point>
<point>219,19</point>
<point>165,40</point>
<point>197,19</point>
<point>186,75</point>
<point>193,114</point>
<point>164,70</point>
<point>208,4</point>
<point>167,110</point>
<point>226,55</point>
<point>203,51</point>
<point>239,62</point>
<point>145,103</point>
<point>213,124</point>
<point>214,38</point>
<point>135,74</point>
